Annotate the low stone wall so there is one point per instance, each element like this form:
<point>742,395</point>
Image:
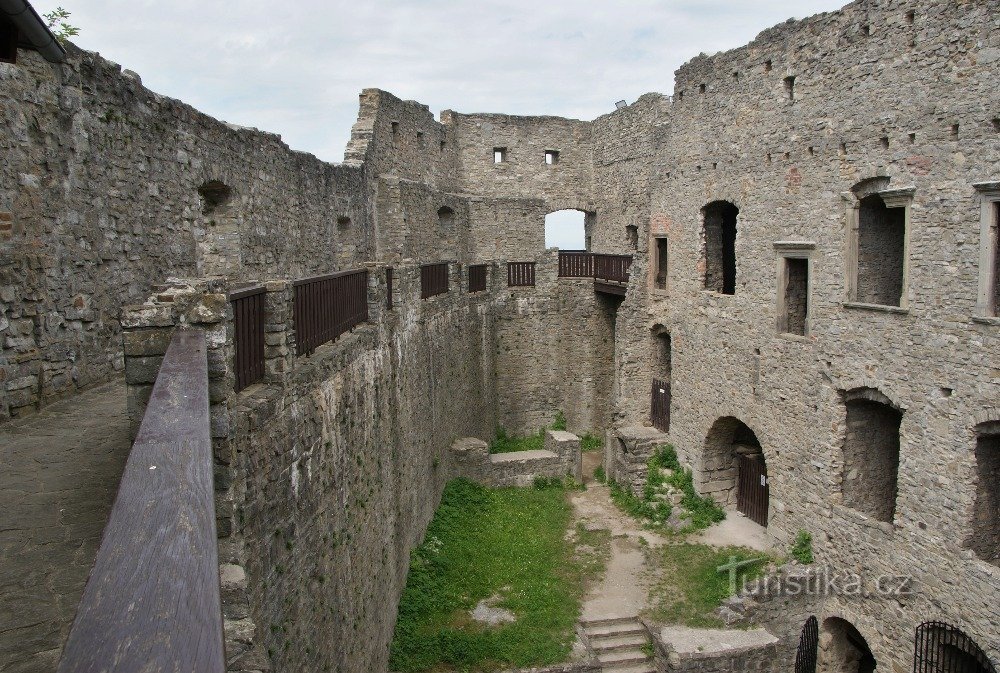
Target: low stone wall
<point>714,650</point>
<point>561,457</point>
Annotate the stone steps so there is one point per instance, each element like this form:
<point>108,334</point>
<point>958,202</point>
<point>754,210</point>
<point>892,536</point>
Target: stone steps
<point>620,644</point>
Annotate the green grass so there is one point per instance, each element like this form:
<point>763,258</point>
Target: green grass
<point>504,443</point>
<point>691,586</point>
<point>495,542</point>
<point>591,442</point>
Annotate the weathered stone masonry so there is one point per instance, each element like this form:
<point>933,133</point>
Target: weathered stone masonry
<point>860,149</point>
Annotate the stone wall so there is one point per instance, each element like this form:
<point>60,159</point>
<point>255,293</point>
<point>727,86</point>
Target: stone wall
<point>101,200</point>
<point>470,458</point>
<point>876,97</point>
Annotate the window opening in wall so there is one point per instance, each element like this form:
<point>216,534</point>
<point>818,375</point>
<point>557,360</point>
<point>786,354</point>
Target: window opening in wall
<point>794,319</point>
<point>871,455</point>
<point>984,537</point>
<point>790,87</point>
<point>551,157</point>
<point>442,145</point>
<point>420,138</point>
<point>395,127</point>
<point>632,233</point>
<point>343,221</point>
<point>910,16</point>
<point>214,194</point>
<point>499,155</point>
<point>8,42</point>
<point>866,30</point>
<point>566,230</point>
<point>701,88</point>
<point>954,130</point>
<point>881,245</point>
<point>660,281</point>
<point>768,66</point>
<point>446,219</point>
<point>912,137</point>
<point>884,142</point>
<point>720,246</point>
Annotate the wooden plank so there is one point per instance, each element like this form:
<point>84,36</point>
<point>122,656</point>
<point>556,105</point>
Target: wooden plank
<point>152,601</point>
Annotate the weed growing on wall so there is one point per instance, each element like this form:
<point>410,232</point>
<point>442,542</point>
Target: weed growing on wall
<point>506,544</point>
<point>802,548</point>
<point>664,472</point>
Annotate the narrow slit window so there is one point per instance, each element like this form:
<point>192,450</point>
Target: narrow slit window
<point>796,293</point>
<point>499,155</point>
<point>790,87</point>
<point>551,157</point>
<point>661,264</point>
<point>8,42</point>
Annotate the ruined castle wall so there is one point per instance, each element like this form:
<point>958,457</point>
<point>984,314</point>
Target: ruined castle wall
<point>876,91</point>
<point>511,198</point>
<point>100,200</point>
<point>555,352</point>
<point>344,466</point>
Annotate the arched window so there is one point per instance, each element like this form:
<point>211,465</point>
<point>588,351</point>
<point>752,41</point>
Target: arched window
<point>566,230</point>
<point>944,648</point>
<point>446,217</point>
<point>719,257</point>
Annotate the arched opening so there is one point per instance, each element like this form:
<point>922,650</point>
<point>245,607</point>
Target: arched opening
<point>733,470</point>
<point>217,231</point>
<point>844,649</point>
<point>984,537</point>
<point>871,454</point>
<point>662,369</point>
<point>446,217</point>
<point>943,648</point>
<point>566,230</point>
<point>805,655</point>
<point>214,195</point>
<point>881,236</point>
<point>719,258</point>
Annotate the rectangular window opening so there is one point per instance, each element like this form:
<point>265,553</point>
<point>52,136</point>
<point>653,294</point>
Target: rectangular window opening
<point>790,87</point>
<point>420,138</point>
<point>551,157</point>
<point>795,318</point>
<point>8,42</point>
<point>661,264</point>
<point>499,155</point>
<point>881,236</point>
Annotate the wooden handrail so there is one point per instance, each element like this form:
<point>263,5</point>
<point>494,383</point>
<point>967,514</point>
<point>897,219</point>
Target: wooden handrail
<point>152,601</point>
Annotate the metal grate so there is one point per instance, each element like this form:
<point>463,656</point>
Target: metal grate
<point>944,648</point>
<point>248,328</point>
<point>805,656</point>
<point>477,278</point>
<point>433,279</point>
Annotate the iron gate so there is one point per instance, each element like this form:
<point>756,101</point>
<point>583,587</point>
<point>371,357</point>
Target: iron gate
<point>943,648</point>
<point>660,405</point>
<point>805,656</point>
<point>752,488</point>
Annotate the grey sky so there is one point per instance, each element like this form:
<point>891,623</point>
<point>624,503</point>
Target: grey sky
<point>296,68</point>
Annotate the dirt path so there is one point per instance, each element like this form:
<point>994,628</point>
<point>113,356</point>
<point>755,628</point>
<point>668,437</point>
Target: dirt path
<point>624,589</point>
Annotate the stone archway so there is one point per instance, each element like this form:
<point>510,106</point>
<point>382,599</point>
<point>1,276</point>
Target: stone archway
<point>843,649</point>
<point>733,469</point>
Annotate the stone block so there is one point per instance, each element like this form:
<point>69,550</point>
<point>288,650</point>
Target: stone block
<point>146,342</point>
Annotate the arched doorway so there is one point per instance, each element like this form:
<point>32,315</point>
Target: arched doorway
<point>566,230</point>
<point>944,648</point>
<point>844,649</point>
<point>733,471</point>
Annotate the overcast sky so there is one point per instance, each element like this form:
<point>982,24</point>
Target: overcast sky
<point>296,67</point>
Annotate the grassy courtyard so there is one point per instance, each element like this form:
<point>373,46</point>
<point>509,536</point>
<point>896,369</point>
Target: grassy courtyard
<point>508,546</point>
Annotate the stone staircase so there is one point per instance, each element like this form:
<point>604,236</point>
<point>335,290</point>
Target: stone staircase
<point>620,643</point>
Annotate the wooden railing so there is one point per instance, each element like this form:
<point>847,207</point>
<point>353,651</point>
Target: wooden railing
<point>433,279</point>
<point>477,277</point>
<point>248,324</point>
<point>152,601</point>
<point>520,274</point>
<point>327,306</point>
<point>612,267</point>
<point>576,264</point>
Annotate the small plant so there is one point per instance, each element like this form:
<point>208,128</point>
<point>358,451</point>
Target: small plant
<point>647,649</point>
<point>504,443</point>
<point>590,442</point>
<point>56,21</point>
<point>599,474</point>
<point>560,422</point>
<point>802,548</point>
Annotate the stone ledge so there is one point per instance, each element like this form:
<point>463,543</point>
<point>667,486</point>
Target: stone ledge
<point>878,308</point>
<point>522,456</point>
